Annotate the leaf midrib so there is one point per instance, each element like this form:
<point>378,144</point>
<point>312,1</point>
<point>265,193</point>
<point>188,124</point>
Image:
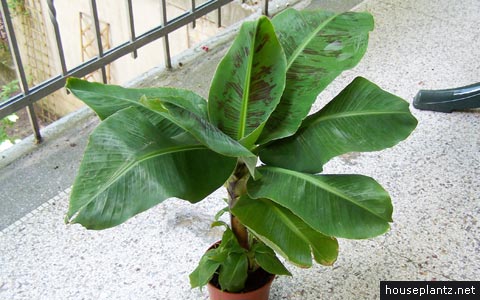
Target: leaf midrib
<point>122,171</point>
<point>289,223</point>
<point>307,40</point>
<point>355,114</point>
<point>246,89</point>
<point>230,278</point>
<point>132,102</point>
<point>325,187</point>
<point>75,90</point>
<point>271,243</point>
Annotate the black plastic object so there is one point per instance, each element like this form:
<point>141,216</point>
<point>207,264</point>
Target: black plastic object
<point>461,98</point>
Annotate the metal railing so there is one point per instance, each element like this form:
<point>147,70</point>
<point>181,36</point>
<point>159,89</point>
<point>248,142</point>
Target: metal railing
<point>30,94</point>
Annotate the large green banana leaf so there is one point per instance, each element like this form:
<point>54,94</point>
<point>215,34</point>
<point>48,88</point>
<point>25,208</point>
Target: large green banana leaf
<point>348,206</point>
<point>106,100</point>
<point>205,132</point>
<point>280,229</point>
<point>363,117</point>
<point>319,45</point>
<point>248,83</point>
<point>130,166</point>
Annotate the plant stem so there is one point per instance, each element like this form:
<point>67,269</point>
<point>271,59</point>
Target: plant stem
<point>236,187</point>
<point>240,232</point>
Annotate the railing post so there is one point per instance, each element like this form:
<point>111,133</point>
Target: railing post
<point>53,18</point>
<point>131,25</point>
<point>166,44</point>
<point>265,8</point>
<point>12,42</point>
<point>193,10</point>
<point>96,22</point>
<point>32,116</point>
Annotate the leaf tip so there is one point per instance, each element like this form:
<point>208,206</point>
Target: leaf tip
<point>71,80</point>
<point>70,217</point>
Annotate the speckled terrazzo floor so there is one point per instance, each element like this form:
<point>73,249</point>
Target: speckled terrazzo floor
<point>433,178</point>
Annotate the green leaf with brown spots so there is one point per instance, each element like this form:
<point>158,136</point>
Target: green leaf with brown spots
<point>107,99</point>
<point>248,83</point>
<point>131,165</point>
<point>319,45</point>
<point>200,128</point>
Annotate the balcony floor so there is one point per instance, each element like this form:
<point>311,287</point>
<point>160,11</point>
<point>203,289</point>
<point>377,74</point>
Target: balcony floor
<point>433,178</point>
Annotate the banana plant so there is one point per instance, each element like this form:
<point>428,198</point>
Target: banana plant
<point>255,137</point>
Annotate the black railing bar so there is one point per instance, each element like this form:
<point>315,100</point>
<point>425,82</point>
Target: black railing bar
<point>55,83</point>
<point>53,17</point>
<point>193,9</point>
<point>98,35</point>
<point>32,116</point>
<point>265,9</point>
<point>36,93</point>
<point>166,44</point>
<point>219,17</point>
<point>12,40</point>
<point>131,25</point>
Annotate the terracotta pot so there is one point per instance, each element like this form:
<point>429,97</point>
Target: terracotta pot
<point>261,293</point>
